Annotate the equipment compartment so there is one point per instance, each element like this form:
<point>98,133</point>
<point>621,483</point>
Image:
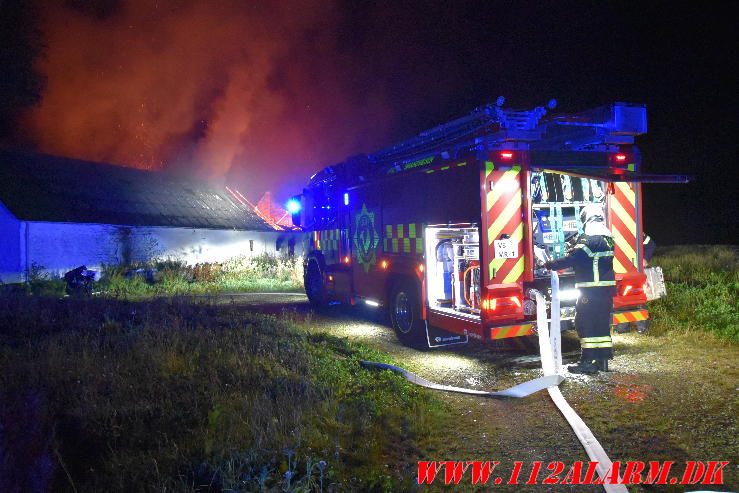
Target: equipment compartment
<point>453,269</point>
<point>557,200</point>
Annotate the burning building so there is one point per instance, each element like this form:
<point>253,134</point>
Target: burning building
<point>58,213</point>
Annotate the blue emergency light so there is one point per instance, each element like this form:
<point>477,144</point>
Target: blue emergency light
<point>293,206</point>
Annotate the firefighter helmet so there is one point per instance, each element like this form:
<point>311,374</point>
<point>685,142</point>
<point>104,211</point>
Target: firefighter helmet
<point>591,212</point>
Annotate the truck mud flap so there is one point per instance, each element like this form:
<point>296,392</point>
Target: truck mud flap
<point>436,337</point>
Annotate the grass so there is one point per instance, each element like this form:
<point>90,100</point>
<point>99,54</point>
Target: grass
<point>165,395</point>
<point>702,291</point>
<point>264,273</point>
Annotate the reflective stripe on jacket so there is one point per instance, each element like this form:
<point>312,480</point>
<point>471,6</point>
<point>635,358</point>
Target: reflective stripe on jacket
<point>592,259</point>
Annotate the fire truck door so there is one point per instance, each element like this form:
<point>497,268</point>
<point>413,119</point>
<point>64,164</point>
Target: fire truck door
<point>365,223</point>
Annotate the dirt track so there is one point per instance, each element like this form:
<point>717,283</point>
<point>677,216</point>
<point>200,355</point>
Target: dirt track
<point>665,399</point>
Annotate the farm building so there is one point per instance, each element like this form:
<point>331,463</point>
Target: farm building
<point>58,213</point>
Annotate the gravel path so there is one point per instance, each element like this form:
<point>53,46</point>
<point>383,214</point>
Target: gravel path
<point>665,398</point>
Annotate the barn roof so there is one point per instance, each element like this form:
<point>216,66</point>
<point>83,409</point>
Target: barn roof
<point>40,187</point>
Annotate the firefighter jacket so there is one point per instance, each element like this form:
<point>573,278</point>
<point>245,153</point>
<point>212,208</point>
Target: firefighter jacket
<point>592,259</point>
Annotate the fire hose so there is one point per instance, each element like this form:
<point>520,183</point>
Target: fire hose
<point>550,349</point>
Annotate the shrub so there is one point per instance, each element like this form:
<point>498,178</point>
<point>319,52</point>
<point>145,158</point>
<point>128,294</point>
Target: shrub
<point>702,291</point>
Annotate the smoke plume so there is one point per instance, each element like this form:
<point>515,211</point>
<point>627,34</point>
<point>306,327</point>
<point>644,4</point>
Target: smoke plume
<point>258,94</point>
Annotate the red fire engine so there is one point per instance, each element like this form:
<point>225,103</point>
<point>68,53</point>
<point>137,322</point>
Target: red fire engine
<point>451,229</point>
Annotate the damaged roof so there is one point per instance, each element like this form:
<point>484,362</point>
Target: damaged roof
<point>40,187</point>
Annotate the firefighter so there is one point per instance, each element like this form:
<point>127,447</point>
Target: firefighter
<point>592,259</point>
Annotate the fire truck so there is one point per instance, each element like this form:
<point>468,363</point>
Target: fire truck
<point>449,231</point>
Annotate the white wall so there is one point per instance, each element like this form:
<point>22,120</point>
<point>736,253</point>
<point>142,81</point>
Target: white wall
<point>60,247</point>
<point>10,252</point>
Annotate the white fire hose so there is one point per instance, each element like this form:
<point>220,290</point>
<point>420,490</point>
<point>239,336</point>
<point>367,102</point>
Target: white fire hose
<point>550,349</point>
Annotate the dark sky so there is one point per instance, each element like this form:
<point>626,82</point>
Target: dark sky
<point>262,96</point>
<point>678,60</point>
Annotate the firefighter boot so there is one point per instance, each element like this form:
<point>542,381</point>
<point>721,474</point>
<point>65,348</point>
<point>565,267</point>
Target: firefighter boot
<point>602,364</point>
<point>585,367</point>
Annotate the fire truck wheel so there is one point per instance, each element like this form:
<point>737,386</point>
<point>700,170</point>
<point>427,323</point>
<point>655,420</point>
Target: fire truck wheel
<point>314,287</point>
<point>623,328</point>
<point>642,326</point>
<point>405,314</point>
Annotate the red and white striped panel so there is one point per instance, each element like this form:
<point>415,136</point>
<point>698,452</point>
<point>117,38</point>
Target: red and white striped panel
<point>623,207</point>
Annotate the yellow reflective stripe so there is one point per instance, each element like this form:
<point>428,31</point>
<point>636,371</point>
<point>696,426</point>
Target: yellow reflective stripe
<point>524,329</point>
<point>400,230</point>
<point>489,167</point>
<point>626,189</point>
<point>594,284</point>
<point>596,339</point>
<point>588,251</point>
<point>596,273</point>
<point>389,230</point>
<point>620,318</point>
<point>623,215</point>
<point>513,207</point>
<point>595,345</point>
<point>515,273</point>
<point>412,230</point>
<point>500,187</point>
<point>406,245</point>
<point>518,234</point>
<point>624,245</point>
<point>497,263</point>
<point>617,267</point>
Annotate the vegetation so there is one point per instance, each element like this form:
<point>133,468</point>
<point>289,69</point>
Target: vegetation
<point>166,395</point>
<point>702,291</point>
<point>266,272</point>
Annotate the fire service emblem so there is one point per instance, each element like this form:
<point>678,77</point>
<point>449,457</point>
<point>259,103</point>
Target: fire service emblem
<point>366,238</point>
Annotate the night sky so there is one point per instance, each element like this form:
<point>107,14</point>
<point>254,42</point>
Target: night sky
<point>263,95</point>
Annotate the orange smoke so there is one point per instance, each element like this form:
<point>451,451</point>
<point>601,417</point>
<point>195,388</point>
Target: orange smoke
<point>256,94</point>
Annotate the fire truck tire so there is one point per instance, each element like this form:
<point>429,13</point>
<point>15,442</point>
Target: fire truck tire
<point>314,286</point>
<point>623,328</point>
<point>405,314</point>
<point>642,326</point>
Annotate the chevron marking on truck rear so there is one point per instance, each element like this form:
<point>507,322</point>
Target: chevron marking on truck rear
<point>503,205</point>
<point>511,331</point>
<point>635,316</point>
<point>623,226</point>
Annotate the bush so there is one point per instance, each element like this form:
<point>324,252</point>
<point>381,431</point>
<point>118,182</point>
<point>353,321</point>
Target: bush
<point>702,291</point>
<point>269,273</point>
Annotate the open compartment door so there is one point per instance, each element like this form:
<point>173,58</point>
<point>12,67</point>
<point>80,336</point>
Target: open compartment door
<point>622,203</point>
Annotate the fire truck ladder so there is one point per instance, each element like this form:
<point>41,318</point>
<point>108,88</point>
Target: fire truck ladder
<point>465,133</point>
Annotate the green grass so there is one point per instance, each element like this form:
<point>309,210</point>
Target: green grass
<point>268,273</point>
<point>113,395</point>
<point>264,273</point>
<point>702,291</point>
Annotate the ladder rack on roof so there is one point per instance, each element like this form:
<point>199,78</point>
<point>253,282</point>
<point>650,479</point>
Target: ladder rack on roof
<point>492,127</point>
<point>466,131</point>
